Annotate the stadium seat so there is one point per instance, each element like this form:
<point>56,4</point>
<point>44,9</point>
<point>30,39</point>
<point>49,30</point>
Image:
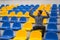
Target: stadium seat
<point>53,20</point>
<point>4,13</point>
<point>31,20</point>
<point>2,5</point>
<point>54,6</point>
<point>51,36</point>
<point>12,14</point>
<point>5,19</point>
<point>7,34</point>
<point>31,5</point>
<point>3,9</point>
<point>27,15</point>
<point>35,35</point>
<point>10,7</point>
<point>22,19</point>
<point>19,14</point>
<point>35,13</point>
<point>16,26</point>
<point>48,7</point>
<point>17,10</point>
<point>35,8</point>
<point>53,14</point>
<point>14,19</point>
<point>52,27</point>
<point>20,35</point>
<point>27,8</point>
<point>9,11</point>
<point>23,10</point>
<point>27,26</point>
<point>5,26</point>
<point>41,7</point>
<point>44,13</point>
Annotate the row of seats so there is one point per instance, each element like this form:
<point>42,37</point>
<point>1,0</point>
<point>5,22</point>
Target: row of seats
<point>22,35</point>
<point>17,10</point>
<point>19,13</point>
<point>16,26</point>
<point>13,19</point>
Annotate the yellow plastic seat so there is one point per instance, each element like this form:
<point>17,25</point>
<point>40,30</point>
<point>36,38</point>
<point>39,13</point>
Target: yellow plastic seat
<point>27,26</point>
<point>20,35</point>
<point>44,13</point>
<point>10,7</point>
<point>27,14</point>
<point>3,9</point>
<point>35,35</point>
<point>41,7</point>
<point>4,13</point>
<point>19,14</point>
<point>48,7</point>
<point>45,21</point>
<point>35,13</point>
<point>31,20</point>
<point>12,14</point>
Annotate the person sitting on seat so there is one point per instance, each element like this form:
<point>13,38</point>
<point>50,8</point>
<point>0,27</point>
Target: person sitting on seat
<point>39,20</point>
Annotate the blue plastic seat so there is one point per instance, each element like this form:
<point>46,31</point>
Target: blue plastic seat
<point>21,7</point>
<point>27,7</point>
<point>53,20</point>
<point>35,7</point>
<point>53,14</point>
<point>17,10</point>
<point>2,5</point>
<point>9,11</point>
<point>5,25</point>
<point>16,26</point>
<point>14,19</point>
<point>52,27</point>
<point>24,11</point>
<point>31,6</point>
<point>22,19</point>
<point>51,36</point>
<point>5,19</point>
<point>7,34</point>
<point>54,6</point>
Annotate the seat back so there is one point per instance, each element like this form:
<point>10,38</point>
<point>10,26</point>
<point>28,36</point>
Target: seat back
<point>5,18</point>
<point>8,32</point>
<point>17,24</point>
<point>6,24</point>
<point>22,19</point>
<point>14,19</point>
<point>51,36</point>
<point>35,35</point>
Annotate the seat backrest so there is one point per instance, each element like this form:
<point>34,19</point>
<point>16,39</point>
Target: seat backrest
<point>36,35</point>
<point>51,36</point>
<point>6,24</point>
<point>8,32</point>
<point>52,26</point>
<point>17,24</point>
<point>51,20</point>
<point>23,19</point>
<point>14,18</point>
<point>54,6</point>
<point>21,33</point>
<point>5,18</point>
